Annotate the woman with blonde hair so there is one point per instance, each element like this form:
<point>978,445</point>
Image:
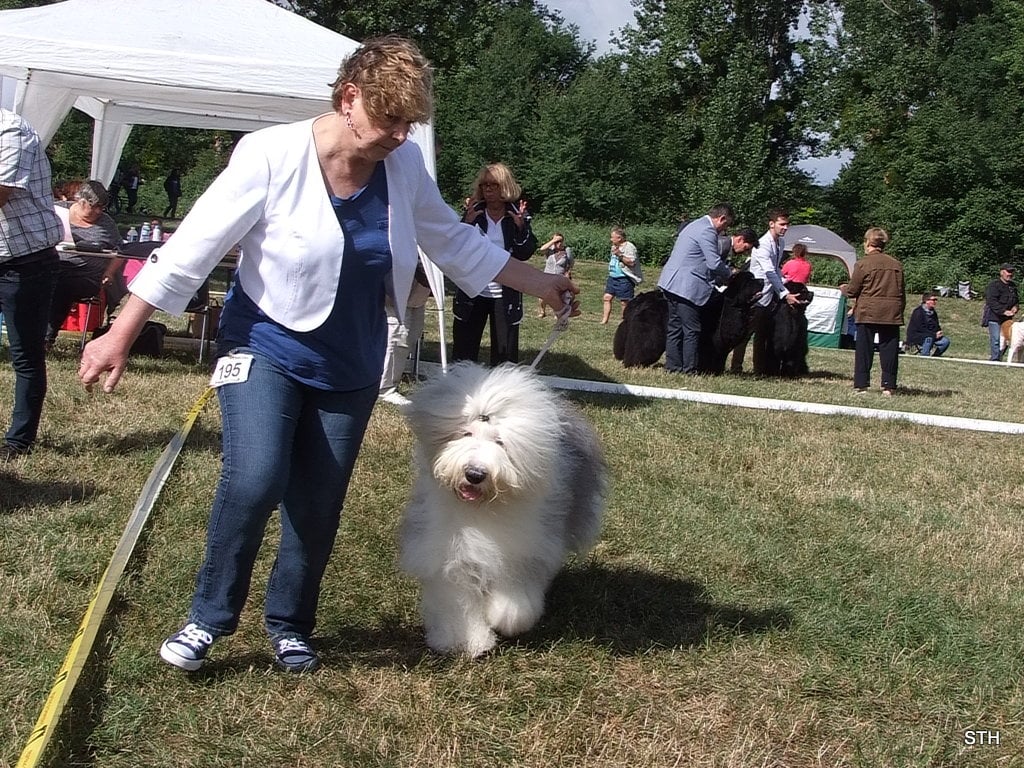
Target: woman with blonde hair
<point>878,288</point>
<point>329,213</point>
<point>496,207</point>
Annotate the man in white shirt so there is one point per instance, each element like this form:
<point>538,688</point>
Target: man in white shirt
<point>765,260</point>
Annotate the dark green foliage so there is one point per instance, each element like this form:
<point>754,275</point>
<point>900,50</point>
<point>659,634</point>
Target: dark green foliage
<point>491,107</point>
<point>930,98</point>
<point>707,100</point>
<point>589,242</point>
<point>581,155</point>
<point>70,149</point>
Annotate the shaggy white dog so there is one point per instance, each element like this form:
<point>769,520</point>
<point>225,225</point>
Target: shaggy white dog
<point>510,479</point>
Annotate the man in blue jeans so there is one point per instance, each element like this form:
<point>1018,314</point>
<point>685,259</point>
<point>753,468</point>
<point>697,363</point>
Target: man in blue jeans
<point>1001,304</point>
<point>29,230</point>
<point>924,330</point>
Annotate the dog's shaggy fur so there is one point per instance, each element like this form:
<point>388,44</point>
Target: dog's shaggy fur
<point>510,480</point>
<point>735,319</point>
<point>640,338</point>
<point>782,347</point>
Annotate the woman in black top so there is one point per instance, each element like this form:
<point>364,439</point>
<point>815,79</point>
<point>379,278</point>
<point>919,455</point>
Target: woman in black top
<point>496,207</point>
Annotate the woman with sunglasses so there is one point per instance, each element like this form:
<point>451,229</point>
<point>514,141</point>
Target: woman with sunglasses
<point>496,207</point>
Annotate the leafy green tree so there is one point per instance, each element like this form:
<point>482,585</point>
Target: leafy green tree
<point>715,82</point>
<point>450,32</point>
<point>927,97</point>
<point>10,5</point>
<point>581,155</point>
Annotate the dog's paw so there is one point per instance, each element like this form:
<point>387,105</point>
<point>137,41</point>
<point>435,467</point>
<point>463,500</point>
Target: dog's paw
<point>479,641</point>
<point>476,642</point>
<point>514,613</point>
<point>442,640</point>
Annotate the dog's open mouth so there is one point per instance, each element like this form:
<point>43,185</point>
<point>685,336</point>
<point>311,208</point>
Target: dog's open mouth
<point>469,492</point>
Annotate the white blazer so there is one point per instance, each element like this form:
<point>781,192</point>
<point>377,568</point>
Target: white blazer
<point>272,201</point>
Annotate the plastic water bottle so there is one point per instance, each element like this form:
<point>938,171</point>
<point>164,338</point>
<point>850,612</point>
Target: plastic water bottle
<point>157,234</point>
<point>133,235</point>
<point>144,234</point>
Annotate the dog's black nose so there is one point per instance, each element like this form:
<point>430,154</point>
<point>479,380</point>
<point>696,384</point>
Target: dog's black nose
<point>476,475</point>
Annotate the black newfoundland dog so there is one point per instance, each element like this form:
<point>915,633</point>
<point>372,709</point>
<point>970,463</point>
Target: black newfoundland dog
<point>783,329</point>
<point>640,338</point>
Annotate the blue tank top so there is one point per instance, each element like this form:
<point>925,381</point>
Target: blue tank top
<point>346,352</point>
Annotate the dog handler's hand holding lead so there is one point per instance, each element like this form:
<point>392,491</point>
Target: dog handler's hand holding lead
<point>570,308</point>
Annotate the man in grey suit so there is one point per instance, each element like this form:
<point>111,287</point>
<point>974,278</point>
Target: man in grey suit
<point>688,278</point>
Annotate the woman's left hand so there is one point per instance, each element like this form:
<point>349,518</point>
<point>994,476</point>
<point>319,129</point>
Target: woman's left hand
<point>556,290</point>
<point>562,295</point>
<point>519,217</point>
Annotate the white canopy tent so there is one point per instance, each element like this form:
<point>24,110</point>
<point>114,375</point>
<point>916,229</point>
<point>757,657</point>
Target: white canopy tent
<point>827,311</point>
<point>821,241</point>
<point>222,64</point>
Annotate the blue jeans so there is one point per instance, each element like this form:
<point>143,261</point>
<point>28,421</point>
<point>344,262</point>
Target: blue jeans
<point>940,345</point>
<point>25,293</point>
<point>284,444</point>
<point>994,334</point>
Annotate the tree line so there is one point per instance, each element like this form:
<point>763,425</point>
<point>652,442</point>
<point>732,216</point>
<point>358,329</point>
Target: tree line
<point>708,100</point>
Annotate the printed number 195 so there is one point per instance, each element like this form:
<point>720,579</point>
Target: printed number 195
<point>231,369</point>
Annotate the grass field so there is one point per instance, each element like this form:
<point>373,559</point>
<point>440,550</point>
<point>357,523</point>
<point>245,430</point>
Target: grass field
<point>770,589</point>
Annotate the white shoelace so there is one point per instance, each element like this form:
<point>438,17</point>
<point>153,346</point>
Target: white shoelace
<point>293,644</point>
<point>194,637</point>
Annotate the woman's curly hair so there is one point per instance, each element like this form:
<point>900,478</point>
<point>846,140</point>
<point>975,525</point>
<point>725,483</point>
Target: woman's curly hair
<point>395,80</point>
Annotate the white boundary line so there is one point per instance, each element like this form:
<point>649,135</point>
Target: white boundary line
<point>769,404</point>
<point>973,360</point>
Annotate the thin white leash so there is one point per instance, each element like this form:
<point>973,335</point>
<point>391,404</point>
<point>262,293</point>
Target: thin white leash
<point>561,324</point>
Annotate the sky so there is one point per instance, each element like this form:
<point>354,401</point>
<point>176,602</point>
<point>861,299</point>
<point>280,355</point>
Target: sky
<point>599,19</point>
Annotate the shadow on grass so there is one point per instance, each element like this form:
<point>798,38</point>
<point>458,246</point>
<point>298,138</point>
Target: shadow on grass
<point>626,611</point>
<point>388,644</point>
<point>201,437</point>
<point>71,738</point>
<point>822,375</point>
<point>926,393</point>
<point>631,611</point>
<point>17,494</point>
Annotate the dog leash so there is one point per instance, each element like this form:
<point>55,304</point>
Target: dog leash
<point>561,324</point>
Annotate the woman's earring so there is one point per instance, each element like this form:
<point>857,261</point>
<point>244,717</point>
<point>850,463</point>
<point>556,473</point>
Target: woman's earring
<point>348,121</point>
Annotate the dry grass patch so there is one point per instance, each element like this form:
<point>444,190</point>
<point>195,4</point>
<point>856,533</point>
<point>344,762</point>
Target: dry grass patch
<point>770,589</point>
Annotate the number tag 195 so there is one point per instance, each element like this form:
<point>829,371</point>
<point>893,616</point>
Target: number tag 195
<point>231,369</point>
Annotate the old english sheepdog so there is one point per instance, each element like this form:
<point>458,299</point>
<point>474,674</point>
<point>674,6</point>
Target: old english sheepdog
<point>510,480</point>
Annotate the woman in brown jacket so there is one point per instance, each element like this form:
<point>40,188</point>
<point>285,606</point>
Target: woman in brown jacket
<point>878,289</point>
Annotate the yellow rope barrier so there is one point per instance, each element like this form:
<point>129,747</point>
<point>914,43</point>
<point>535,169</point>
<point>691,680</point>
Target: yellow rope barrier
<point>81,646</point>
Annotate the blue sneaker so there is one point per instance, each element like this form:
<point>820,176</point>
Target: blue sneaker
<point>295,654</point>
<point>187,648</point>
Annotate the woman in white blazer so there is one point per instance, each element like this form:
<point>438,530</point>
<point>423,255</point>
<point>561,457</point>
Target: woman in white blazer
<point>328,213</point>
